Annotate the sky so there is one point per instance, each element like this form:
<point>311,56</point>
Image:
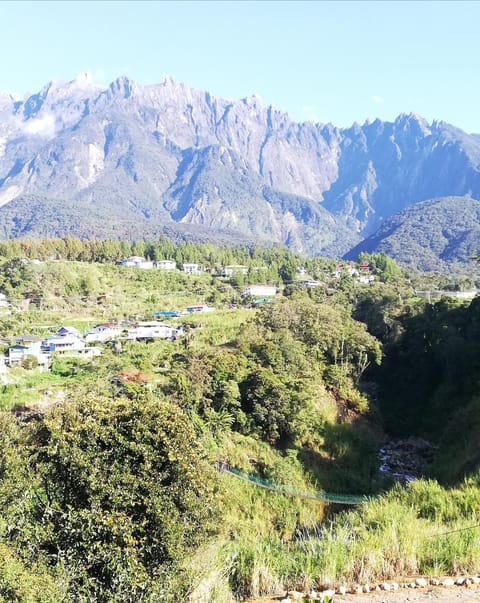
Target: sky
<point>337,62</point>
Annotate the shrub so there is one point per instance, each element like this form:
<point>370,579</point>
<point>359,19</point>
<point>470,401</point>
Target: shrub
<point>127,494</point>
<point>29,362</point>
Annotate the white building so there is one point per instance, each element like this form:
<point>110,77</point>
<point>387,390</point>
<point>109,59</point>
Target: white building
<point>136,261</point>
<point>229,271</point>
<point>102,333</point>
<point>166,264</point>
<point>310,284</point>
<point>192,269</point>
<point>365,279</point>
<point>61,344</point>
<point>87,352</point>
<point>152,330</point>
<point>259,290</point>
<point>27,347</point>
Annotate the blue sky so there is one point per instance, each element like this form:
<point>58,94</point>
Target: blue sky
<point>335,62</point>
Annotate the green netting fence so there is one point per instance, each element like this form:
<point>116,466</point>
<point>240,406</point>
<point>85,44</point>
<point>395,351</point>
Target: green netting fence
<point>340,499</point>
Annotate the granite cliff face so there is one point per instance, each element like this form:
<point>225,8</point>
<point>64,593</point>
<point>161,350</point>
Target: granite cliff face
<point>134,159</point>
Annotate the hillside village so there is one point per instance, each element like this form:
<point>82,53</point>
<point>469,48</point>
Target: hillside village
<point>286,370</point>
<point>36,350</point>
<point>30,350</point>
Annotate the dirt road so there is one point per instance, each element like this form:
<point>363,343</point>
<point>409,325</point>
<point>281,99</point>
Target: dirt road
<point>455,594</point>
<point>439,595</point>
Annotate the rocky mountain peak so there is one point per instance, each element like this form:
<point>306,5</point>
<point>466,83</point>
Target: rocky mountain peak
<point>253,100</point>
<point>417,124</point>
<point>179,92</point>
<point>172,153</point>
<point>169,81</point>
<point>123,87</point>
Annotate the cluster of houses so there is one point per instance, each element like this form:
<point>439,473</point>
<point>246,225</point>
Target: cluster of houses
<point>139,262</point>
<point>259,291</point>
<point>69,342</point>
<point>362,272</point>
<point>187,268</point>
<point>135,261</point>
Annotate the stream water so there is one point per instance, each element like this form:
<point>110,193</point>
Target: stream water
<point>405,459</point>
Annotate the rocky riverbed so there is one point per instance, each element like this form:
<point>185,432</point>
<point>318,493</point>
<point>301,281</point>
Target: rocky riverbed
<point>406,459</point>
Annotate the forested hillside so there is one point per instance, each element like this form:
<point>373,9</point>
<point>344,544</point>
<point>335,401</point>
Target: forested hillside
<point>439,234</point>
<point>119,472</point>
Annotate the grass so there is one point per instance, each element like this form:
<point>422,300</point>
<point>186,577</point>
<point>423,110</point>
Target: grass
<point>270,543</point>
<point>29,387</point>
<point>398,535</point>
<point>216,328</point>
<point>247,559</point>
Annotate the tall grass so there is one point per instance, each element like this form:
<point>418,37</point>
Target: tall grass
<point>406,532</point>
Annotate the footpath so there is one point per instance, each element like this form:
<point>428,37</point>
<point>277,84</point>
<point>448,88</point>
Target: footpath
<point>437,594</point>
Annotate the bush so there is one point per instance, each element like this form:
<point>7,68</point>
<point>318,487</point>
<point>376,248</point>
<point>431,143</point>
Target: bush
<point>127,493</point>
<point>270,406</point>
<point>29,362</point>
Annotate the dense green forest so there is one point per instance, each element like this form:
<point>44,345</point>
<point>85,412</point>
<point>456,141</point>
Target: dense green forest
<point>439,234</point>
<point>110,488</point>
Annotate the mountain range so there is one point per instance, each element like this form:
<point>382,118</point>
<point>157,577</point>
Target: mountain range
<point>126,160</point>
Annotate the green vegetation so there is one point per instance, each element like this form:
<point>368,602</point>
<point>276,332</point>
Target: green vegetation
<point>429,382</point>
<point>440,234</point>
<point>108,487</point>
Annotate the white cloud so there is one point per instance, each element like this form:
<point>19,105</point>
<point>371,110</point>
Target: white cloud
<point>88,79</point>
<point>310,113</point>
<point>98,76</point>
<point>40,126</point>
<point>377,100</point>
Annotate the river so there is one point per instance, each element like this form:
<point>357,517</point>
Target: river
<point>405,459</point>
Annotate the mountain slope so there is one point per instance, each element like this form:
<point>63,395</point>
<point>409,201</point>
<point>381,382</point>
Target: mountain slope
<point>428,235</point>
<point>217,189</point>
<point>149,157</point>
